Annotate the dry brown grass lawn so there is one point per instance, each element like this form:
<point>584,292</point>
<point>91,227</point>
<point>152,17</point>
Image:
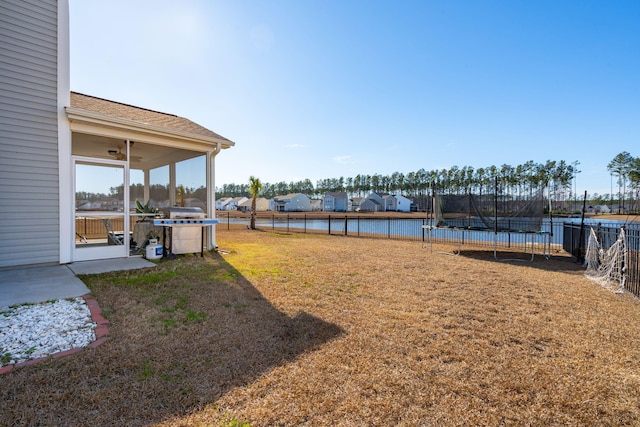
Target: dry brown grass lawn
<point>290,329</point>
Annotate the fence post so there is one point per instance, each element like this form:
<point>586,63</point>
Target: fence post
<point>273,221</point>
<point>345,225</point>
<point>329,224</point>
<point>388,227</point>
<point>305,223</point>
<point>287,223</point>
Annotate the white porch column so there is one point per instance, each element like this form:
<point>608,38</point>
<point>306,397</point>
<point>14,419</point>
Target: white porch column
<point>172,184</point>
<point>211,195</point>
<point>211,205</point>
<point>147,185</point>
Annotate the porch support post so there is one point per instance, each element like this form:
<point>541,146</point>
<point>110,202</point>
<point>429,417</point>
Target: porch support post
<point>211,195</point>
<point>147,185</point>
<point>172,184</point>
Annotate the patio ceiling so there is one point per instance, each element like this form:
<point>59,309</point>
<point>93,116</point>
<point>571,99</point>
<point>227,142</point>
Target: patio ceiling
<point>100,128</point>
<point>144,156</point>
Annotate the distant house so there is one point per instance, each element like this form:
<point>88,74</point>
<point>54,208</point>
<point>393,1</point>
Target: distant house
<point>395,203</point>
<point>390,203</point>
<point>372,203</point>
<point>294,202</point>
<point>596,209</point>
<point>377,201</point>
<point>222,202</point>
<point>262,205</point>
<point>355,203</point>
<point>233,203</point>
<point>316,205</point>
<point>402,203</point>
<point>229,203</point>
<point>335,202</point>
<point>86,205</point>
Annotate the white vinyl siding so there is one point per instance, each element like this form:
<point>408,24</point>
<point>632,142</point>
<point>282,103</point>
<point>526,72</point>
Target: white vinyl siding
<point>29,200</point>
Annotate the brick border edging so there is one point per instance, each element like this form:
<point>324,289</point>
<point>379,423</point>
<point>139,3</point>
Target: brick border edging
<point>101,331</point>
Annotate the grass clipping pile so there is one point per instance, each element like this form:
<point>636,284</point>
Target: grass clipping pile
<point>324,330</point>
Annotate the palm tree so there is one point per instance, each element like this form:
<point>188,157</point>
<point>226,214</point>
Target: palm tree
<point>181,195</point>
<point>255,186</point>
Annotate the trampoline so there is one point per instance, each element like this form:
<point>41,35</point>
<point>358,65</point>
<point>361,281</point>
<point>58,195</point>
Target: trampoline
<point>513,217</point>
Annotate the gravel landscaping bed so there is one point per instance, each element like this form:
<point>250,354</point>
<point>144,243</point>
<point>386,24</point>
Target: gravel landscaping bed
<point>33,331</point>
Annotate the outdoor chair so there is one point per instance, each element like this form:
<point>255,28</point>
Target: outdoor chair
<point>112,237</point>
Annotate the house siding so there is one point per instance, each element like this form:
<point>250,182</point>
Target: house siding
<point>29,193</point>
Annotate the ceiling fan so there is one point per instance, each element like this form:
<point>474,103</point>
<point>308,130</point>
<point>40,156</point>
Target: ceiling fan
<point>119,155</point>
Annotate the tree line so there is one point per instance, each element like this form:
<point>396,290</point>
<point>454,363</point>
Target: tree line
<point>518,181</point>
<point>521,179</point>
<point>157,192</point>
<point>626,168</point>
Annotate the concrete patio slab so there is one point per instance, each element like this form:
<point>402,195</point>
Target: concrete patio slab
<point>39,284</point>
<point>108,265</point>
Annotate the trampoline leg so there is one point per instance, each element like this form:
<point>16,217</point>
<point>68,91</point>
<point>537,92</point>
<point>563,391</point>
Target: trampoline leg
<point>547,246</point>
<point>442,252</point>
<point>495,250</point>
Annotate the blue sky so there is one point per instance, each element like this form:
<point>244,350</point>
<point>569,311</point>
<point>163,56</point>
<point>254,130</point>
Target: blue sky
<point>322,88</point>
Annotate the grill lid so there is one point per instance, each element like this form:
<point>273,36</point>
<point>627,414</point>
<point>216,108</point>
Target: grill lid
<point>189,212</point>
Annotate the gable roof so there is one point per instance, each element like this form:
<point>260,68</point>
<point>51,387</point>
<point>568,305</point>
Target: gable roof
<point>397,196</point>
<point>259,200</point>
<point>142,116</point>
<point>287,196</point>
<point>337,194</point>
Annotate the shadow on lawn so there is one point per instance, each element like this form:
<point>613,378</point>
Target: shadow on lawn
<point>181,336</point>
<point>553,263</point>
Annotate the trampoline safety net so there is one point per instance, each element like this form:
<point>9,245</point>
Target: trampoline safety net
<point>492,211</point>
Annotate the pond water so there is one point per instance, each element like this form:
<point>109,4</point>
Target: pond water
<point>412,228</point>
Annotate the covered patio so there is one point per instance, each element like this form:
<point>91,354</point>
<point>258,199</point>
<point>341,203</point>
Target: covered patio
<point>125,166</point>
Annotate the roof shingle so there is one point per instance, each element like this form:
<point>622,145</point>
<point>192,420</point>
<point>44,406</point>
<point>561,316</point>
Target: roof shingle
<point>141,115</point>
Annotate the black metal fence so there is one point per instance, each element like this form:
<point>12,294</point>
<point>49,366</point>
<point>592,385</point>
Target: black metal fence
<point>576,239</point>
<point>632,283</point>
<point>400,228</point>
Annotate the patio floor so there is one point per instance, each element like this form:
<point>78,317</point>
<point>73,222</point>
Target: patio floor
<point>39,284</point>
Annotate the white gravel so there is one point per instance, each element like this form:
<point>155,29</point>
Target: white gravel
<point>33,331</point>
